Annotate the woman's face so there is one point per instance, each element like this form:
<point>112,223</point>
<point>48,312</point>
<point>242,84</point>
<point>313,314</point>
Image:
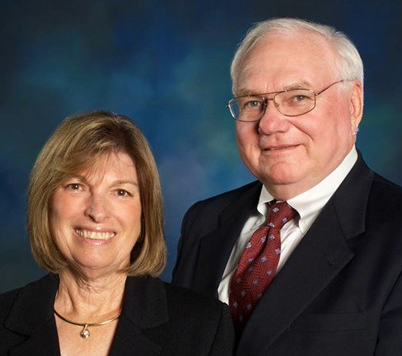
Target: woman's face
<point>96,215</point>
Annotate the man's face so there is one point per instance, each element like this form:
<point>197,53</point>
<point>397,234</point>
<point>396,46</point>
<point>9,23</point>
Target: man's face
<point>289,155</point>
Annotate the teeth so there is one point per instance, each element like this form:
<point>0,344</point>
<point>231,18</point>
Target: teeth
<point>95,235</point>
<point>277,148</point>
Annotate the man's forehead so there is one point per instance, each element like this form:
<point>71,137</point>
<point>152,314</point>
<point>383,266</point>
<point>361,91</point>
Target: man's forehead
<point>289,46</point>
<point>303,36</point>
<point>296,84</point>
<point>290,61</point>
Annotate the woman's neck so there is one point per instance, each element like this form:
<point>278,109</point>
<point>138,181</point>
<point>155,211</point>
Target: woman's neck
<point>89,300</point>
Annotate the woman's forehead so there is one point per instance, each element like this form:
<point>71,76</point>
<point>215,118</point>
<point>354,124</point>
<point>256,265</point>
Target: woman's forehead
<point>107,164</point>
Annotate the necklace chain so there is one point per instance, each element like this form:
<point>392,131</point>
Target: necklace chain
<point>85,331</point>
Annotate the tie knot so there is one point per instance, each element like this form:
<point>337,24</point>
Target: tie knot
<point>279,214</point>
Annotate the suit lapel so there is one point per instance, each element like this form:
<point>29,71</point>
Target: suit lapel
<point>130,340</point>
<point>144,306</point>
<point>319,257</point>
<point>308,271</point>
<point>215,248</point>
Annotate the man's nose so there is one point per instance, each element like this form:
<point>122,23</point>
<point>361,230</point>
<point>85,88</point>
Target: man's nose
<point>272,120</point>
<point>97,209</point>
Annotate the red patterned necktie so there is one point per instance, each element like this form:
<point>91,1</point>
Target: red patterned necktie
<point>257,265</point>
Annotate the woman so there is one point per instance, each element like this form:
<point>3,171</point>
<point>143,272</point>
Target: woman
<point>95,223</point>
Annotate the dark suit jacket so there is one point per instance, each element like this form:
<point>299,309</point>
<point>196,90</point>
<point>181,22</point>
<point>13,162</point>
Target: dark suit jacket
<point>339,293</point>
<point>157,319</point>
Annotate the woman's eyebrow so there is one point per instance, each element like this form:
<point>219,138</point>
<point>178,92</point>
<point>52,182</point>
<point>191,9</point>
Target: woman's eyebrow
<point>125,181</point>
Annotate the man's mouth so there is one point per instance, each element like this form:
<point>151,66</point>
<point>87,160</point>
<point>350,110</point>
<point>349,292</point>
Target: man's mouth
<point>278,148</point>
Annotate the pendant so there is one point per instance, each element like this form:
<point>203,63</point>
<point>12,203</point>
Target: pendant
<point>85,332</point>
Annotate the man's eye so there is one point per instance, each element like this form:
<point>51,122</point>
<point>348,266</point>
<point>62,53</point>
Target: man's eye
<point>298,98</point>
<point>253,104</point>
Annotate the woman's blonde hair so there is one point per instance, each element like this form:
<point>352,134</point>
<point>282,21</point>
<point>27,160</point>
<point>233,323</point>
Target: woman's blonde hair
<point>72,147</point>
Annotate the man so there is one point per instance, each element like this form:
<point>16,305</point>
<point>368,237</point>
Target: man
<point>323,277</point>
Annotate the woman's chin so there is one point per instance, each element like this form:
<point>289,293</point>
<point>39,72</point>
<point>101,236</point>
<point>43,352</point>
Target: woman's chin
<point>95,268</point>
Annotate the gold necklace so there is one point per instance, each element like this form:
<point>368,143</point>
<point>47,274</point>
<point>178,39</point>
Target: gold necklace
<point>85,331</point>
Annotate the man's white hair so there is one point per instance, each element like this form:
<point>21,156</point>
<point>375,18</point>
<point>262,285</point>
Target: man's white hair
<point>348,61</point>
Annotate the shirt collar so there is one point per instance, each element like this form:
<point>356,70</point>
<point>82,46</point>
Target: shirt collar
<point>310,203</point>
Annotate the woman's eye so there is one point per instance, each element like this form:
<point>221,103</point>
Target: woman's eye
<point>73,186</point>
<point>123,193</point>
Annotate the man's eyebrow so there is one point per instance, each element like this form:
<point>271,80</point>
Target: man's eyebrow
<point>295,85</point>
<point>246,92</point>
<point>298,85</point>
<point>250,93</point>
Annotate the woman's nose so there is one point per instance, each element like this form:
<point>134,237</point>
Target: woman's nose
<point>96,208</point>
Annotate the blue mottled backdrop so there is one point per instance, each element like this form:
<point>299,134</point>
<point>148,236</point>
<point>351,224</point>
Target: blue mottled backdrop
<point>165,64</point>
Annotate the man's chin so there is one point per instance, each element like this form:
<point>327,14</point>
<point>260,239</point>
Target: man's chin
<point>281,173</point>
<point>282,184</point>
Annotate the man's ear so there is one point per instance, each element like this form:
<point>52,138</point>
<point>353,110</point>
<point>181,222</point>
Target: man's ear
<point>356,105</point>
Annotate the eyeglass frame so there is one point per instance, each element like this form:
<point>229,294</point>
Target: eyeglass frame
<point>277,105</point>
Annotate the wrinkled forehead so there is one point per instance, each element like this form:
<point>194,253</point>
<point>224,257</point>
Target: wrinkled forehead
<point>292,56</point>
<point>304,42</point>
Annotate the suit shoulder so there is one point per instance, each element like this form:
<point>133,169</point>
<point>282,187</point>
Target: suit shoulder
<point>220,201</point>
<point>386,186</point>
<point>7,300</point>
<point>385,204</point>
<point>27,294</point>
<point>385,190</point>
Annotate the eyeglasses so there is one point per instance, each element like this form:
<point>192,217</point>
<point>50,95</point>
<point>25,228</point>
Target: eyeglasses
<point>293,102</point>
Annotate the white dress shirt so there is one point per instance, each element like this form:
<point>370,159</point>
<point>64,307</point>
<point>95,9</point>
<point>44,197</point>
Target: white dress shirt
<point>308,206</point>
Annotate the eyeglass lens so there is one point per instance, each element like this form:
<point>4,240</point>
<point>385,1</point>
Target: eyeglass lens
<point>291,103</point>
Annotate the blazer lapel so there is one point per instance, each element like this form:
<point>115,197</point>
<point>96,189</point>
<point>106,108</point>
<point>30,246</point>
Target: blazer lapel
<point>32,316</point>
<point>216,247</point>
<point>42,342</point>
<point>130,341</point>
<point>319,257</point>
<point>144,306</point>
